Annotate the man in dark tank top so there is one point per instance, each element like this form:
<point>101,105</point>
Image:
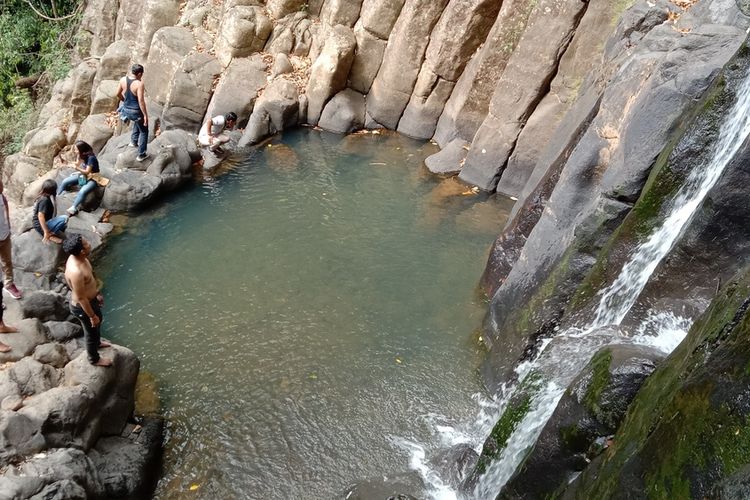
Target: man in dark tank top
<point>133,108</point>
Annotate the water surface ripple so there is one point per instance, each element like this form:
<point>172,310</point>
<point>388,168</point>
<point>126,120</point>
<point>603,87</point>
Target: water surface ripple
<point>302,313</point>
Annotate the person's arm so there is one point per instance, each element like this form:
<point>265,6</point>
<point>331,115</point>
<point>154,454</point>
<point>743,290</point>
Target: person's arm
<point>84,168</point>
<point>7,210</point>
<point>76,283</point>
<point>43,223</point>
<point>141,92</point>
<point>121,90</point>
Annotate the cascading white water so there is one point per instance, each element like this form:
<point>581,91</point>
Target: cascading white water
<point>622,294</point>
<point>561,359</point>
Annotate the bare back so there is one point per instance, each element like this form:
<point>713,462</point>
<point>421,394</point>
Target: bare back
<point>80,277</point>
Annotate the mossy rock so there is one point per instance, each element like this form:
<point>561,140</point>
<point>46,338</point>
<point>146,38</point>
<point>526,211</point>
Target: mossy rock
<point>589,412</point>
<point>688,430</point>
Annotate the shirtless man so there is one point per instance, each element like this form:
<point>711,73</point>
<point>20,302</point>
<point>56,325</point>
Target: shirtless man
<point>85,300</point>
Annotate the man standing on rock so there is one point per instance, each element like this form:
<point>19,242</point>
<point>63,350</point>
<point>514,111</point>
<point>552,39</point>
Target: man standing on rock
<point>6,247</point>
<point>85,300</point>
<point>133,108</point>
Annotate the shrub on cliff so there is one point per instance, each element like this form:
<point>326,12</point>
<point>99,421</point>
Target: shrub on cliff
<point>36,37</point>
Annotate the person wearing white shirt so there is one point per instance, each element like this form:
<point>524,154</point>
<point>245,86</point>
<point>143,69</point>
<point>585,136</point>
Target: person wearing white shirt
<point>211,134</point>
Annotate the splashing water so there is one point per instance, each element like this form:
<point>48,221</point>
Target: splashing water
<point>560,360</point>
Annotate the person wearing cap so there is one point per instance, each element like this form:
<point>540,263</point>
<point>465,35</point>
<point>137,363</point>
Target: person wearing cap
<point>132,93</point>
<point>211,134</point>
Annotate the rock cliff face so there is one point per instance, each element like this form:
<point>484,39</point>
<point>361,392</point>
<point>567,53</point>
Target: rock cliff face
<point>580,109</point>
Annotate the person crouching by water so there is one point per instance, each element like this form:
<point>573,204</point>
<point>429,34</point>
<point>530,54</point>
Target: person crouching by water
<point>45,222</point>
<point>85,302</point>
<point>211,135</point>
<point>88,176</point>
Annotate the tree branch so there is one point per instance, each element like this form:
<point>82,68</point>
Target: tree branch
<point>43,16</point>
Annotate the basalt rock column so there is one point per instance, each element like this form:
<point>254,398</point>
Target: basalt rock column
<point>402,61</point>
<point>523,84</point>
<point>462,27</point>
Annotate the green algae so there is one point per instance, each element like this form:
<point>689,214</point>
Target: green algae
<point>514,413</point>
<point>675,429</point>
<point>600,378</point>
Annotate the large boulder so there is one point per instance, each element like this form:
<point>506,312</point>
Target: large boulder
<point>113,388</point>
<point>96,130</point>
<point>329,71</point>
<point>113,64</point>
<point>276,110</point>
<point>65,473</point>
<point>130,190</point>
<point>31,255</point>
<point>44,144</point>
<point>238,88</point>
<point>20,170</point>
<point>367,59</point>
<point>104,98</point>
<point>190,92</point>
<point>154,15</point>
<point>402,61</point>
<point>280,8</point>
<point>128,464</point>
<point>345,113</point>
<point>31,333</point>
<point>467,107</point>
<point>291,35</point>
<point>520,88</point>
<point>344,12</point>
<point>83,80</point>
<point>449,160</point>
<point>128,20</point>
<point>244,30</point>
<point>462,28</point>
<point>97,28</point>
<point>379,16</point>
<point>45,305</point>
<point>170,45</point>
<point>19,437</point>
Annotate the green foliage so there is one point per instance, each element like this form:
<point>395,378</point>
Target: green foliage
<point>33,42</point>
<point>15,121</point>
<point>30,44</point>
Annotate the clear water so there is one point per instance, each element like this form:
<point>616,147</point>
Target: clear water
<point>304,313</point>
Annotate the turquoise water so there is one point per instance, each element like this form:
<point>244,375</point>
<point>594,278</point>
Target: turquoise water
<point>304,312</point>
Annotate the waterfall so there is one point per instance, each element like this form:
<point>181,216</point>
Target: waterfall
<point>560,360</point>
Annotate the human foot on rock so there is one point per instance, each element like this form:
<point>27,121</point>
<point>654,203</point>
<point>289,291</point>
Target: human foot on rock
<point>5,347</point>
<point>104,343</point>
<point>103,362</point>
<point>7,329</point>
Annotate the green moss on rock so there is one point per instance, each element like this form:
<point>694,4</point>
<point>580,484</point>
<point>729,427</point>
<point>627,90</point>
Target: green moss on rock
<point>600,378</point>
<point>514,413</point>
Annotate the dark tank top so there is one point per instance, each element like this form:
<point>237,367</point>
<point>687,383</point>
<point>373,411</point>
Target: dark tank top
<point>131,100</point>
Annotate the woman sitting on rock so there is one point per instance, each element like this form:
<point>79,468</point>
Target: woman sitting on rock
<point>44,220</point>
<point>87,177</point>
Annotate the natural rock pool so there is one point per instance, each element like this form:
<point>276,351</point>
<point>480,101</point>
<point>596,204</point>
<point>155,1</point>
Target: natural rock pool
<point>304,313</point>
